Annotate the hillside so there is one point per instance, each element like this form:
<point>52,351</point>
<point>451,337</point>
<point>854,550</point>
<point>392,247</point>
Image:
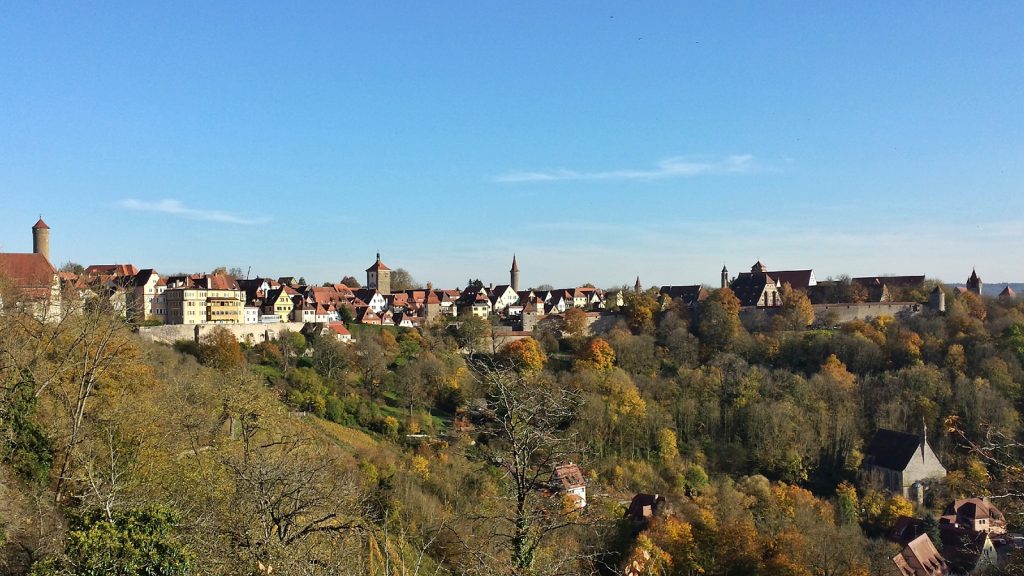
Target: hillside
<point>410,452</point>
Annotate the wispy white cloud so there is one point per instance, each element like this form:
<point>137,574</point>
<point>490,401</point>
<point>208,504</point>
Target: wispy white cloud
<point>178,208</point>
<point>675,167</point>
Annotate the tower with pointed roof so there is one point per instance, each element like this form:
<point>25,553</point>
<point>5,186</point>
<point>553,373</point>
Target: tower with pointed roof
<point>514,274</point>
<point>378,277</point>
<point>974,283</point>
<point>758,267</point>
<point>41,239</point>
<point>725,276</point>
<point>637,287</point>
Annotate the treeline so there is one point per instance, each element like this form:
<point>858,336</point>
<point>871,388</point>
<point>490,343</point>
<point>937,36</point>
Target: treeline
<point>428,451</point>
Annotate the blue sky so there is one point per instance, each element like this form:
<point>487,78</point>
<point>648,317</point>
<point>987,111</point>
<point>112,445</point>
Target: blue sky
<point>598,141</point>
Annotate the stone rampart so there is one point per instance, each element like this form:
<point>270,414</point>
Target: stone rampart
<point>253,333</point>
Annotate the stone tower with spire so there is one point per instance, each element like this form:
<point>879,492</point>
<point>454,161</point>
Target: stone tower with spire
<point>378,277</point>
<point>514,274</point>
<point>637,287</point>
<point>41,239</point>
<point>974,283</point>
<point>725,276</point>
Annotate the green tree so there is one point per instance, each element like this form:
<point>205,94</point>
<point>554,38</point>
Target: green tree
<point>135,542</point>
<point>469,331</point>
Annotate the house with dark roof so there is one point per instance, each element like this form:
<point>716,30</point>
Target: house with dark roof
<point>900,462</point>
<point>643,507</point>
<point>689,296</point>
<point>756,289</point>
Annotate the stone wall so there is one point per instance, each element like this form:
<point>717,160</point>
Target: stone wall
<point>255,333</point>
<point>839,313</point>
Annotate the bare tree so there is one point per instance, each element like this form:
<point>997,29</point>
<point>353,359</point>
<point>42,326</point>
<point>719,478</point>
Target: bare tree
<point>525,438</point>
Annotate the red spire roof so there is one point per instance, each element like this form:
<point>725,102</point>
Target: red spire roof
<point>515,267</point>
<point>378,265</point>
<point>40,224</point>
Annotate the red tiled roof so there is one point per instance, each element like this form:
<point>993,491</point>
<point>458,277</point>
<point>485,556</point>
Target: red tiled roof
<point>338,328</point>
<point>378,265</point>
<point>28,272</point>
<point>40,225</point>
<point>112,269</point>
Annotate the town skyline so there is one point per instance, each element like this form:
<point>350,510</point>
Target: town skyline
<point>257,272</point>
<point>596,141</point>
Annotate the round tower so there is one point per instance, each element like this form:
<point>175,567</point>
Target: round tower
<point>725,276</point>
<point>937,300</point>
<point>514,274</point>
<point>41,239</point>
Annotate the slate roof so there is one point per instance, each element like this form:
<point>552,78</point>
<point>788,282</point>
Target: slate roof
<point>892,450</point>
<point>644,506</point>
<point>895,281</point>
<point>797,279</point>
<point>748,287</point>
<point>690,295</point>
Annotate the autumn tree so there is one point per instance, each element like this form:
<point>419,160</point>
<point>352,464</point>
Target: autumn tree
<point>596,354</point>
<point>219,349</point>
<point>719,320</point>
<point>525,354</point>
<point>796,312</point>
<point>574,324</point>
<point>640,308</point>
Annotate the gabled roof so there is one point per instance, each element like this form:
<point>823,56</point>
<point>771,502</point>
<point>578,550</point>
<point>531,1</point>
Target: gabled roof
<point>797,279</point>
<point>338,328</point>
<point>920,558</point>
<point>144,276</point>
<point>892,450</point>
<point>748,287</point>
<point>971,509</point>
<point>568,477</point>
<point>31,273</point>
<point>1008,293</point>
<point>112,269</point>
<point>690,295</point>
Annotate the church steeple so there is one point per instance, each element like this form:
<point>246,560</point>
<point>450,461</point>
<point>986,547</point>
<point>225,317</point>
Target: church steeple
<point>725,276</point>
<point>637,287</point>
